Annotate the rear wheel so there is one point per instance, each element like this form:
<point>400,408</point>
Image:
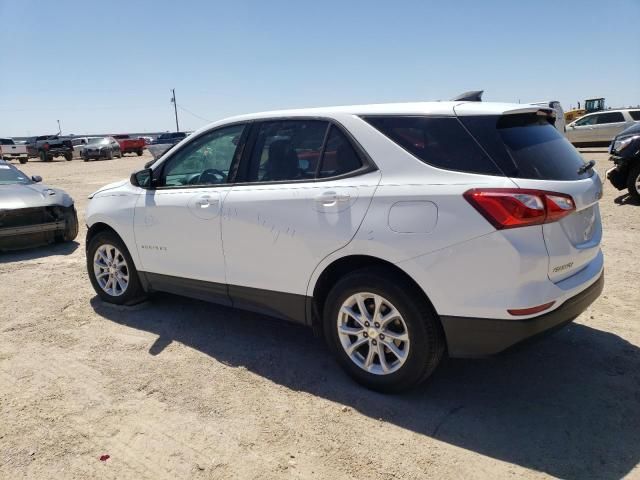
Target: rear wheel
<point>23,160</point>
<point>139,152</point>
<point>633,182</point>
<point>111,270</point>
<point>381,332</point>
<point>68,156</point>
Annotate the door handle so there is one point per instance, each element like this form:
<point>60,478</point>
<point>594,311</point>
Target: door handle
<point>330,198</point>
<point>205,202</point>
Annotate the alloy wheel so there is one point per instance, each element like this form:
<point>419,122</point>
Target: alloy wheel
<point>111,270</point>
<point>373,333</point>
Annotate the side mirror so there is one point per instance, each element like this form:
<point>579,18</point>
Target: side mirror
<point>142,178</point>
<point>36,178</point>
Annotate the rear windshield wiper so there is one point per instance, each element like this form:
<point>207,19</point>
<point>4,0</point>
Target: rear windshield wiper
<point>586,167</point>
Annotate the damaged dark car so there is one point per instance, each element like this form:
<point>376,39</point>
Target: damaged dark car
<point>625,154</point>
<point>31,213</point>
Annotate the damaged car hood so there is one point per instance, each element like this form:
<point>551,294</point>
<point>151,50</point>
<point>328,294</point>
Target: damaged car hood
<point>28,196</point>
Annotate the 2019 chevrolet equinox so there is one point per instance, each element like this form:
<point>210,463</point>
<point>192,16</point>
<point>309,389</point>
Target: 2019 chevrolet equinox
<point>401,231</point>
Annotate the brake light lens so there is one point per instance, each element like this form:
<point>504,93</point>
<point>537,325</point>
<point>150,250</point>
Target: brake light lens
<point>515,207</point>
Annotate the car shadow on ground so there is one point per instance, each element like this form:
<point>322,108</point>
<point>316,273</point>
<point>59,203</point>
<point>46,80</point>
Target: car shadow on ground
<point>38,251</point>
<point>567,405</point>
<point>626,199</point>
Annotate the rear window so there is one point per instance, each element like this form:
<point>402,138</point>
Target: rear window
<point>635,114</point>
<point>6,141</point>
<point>527,146</point>
<point>438,141</point>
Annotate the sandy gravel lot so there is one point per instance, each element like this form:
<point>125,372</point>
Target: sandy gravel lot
<point>177,388</point>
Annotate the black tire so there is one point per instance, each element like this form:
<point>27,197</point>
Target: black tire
<point>427,342</point>
<point>68,156</point>
<point>109,155</point>
<point>71,229</point>
<point>134,292</point>
<point>23,160</point>
<point>139,152</point>
<point>633,182</point>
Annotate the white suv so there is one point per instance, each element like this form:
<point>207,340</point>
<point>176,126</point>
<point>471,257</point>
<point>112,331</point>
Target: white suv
<point>400,231</point>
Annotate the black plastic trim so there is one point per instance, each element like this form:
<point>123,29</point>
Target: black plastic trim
<point>187,287</point>
<point>475,337</point>
<point>287,306</point>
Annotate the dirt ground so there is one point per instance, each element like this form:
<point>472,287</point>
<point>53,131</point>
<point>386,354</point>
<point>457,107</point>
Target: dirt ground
<point>176,388</point>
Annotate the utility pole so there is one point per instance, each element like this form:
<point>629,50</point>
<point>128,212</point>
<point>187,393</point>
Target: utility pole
<point>175,108</point>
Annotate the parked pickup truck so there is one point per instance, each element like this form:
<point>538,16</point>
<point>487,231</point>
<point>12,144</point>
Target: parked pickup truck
<point>130,145</point>
<point>9,150</point>
<point>47,147</point>
<point>164,142</point>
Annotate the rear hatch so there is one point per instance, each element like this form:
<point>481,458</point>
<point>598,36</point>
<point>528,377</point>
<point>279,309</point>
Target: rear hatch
<point>528,149</point>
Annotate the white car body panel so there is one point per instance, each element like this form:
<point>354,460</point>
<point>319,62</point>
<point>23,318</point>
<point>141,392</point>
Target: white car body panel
<point>178,232</point>
<point>296,225</point>
<point>279,237</point>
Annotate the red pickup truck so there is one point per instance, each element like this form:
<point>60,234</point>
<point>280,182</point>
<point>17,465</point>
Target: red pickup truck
<point>130,145</point>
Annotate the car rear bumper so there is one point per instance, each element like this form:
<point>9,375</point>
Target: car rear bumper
<point>473,337</point>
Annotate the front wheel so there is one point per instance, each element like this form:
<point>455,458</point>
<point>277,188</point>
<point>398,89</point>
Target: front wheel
<point>111,270</point>
<point>382,333</point>
<point>70,231</point>
<point>633,182</point>
<point>139,152</point>
<point>23,160</point>
<point>68,157</point>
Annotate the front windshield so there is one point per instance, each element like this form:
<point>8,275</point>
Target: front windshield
<point>99,141</point>
<point>11,176</point>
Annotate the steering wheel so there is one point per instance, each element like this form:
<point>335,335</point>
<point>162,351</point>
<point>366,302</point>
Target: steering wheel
<point>210,175</point>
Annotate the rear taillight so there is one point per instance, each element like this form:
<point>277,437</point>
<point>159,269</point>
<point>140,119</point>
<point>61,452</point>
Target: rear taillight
<point>515,207</point>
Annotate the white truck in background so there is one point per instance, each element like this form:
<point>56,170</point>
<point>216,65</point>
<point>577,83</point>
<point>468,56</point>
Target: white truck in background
<point>9,150</point>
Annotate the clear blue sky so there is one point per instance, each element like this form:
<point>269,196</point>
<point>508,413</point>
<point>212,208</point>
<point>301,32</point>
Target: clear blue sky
<point>109,66</point>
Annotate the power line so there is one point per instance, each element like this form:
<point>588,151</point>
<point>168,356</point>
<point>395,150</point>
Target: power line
<point>194,114</point>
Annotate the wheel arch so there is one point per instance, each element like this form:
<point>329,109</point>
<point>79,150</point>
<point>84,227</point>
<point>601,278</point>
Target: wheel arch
<point>102,226</point>
<point>345,265</point>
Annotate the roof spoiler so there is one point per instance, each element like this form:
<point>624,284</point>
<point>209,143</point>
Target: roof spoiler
<point>470,96</point>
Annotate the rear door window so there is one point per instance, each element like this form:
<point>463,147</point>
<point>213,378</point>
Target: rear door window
<point>527,146</point>
<point>287,150</point>
<point>439,141</point>
<point>611,117</point>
